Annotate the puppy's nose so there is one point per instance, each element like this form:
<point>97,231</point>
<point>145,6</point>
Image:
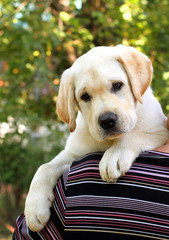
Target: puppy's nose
<point>107,121</point>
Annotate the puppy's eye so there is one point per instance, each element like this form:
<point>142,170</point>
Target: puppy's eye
<point>85,97</point>
<point>117,86</point>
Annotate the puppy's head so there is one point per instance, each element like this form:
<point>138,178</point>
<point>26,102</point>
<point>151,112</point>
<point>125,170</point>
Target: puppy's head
<point>105,84</point>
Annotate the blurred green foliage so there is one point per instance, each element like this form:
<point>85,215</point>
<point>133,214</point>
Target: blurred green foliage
<point>38,40</point>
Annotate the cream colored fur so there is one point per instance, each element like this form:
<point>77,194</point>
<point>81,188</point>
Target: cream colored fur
<point>141,124</point>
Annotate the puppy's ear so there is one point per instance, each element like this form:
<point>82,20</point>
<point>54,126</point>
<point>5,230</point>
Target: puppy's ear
<point>139,69</point>
<point>66,101</point>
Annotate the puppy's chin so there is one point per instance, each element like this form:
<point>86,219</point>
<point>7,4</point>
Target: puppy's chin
<point>105,137</point>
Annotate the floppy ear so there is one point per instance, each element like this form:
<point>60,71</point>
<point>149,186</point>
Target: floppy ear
<point>139,69</point>
<point>66,101</point>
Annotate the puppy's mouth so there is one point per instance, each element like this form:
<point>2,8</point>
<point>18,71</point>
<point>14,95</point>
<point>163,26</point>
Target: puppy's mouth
<point>106,135</point>
<point>113,135</point>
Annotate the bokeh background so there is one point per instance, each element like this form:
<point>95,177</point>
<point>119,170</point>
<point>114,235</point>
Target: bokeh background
<point>38,41</point>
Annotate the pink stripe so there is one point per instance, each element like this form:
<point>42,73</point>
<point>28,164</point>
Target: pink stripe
<point>154,180</point>
<point>115,215</point>
<point>61,192</point>
<point>86,168</point>
<point>118,224</point>
<point>151,168</point>
<point>160,153</point>
<point>151,174</point>
<point>85,176</point>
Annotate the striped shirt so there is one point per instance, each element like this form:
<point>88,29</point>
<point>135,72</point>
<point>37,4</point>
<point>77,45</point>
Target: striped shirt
<point>85,207</point>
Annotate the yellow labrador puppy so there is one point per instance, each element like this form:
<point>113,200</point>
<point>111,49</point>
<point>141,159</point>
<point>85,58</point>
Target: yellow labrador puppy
<point>117,114</point>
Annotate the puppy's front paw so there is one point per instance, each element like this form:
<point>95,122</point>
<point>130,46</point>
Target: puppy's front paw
<point>37,209</point>
<point>116,164</point>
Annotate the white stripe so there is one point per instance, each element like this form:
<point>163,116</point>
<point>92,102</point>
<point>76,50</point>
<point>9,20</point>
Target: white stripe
<point>120,229</point>
<point>117,219</point>
<point>118,183</point>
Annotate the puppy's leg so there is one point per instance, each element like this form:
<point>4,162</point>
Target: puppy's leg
<point>40,196</point>
<point>118,159</point>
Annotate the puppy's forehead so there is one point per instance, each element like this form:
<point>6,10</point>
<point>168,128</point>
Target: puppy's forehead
<point>98,64</point>
<point>98,54</point>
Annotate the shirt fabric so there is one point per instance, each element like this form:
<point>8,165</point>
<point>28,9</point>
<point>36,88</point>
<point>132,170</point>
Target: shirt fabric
<point>85,207</point>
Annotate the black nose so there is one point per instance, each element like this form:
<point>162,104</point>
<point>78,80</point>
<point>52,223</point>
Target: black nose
<point>107,121</point>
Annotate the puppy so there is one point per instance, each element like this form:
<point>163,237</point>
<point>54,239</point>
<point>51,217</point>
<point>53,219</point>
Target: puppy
<point>117,114</point>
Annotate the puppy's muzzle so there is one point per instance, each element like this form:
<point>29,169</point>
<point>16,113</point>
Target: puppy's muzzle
<point>108,122</point>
